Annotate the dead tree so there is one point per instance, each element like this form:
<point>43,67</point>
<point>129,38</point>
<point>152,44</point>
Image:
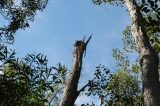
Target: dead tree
<point>71,92</point>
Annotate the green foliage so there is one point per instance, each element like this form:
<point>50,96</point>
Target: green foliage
<point>124,89</point>
<point>121,58</point>
<point>135,68</point>
<point>151,21</point>
<point>128,40</point>
<point>18,14</point>
<point>121,88</point>
<point>26,81</point>
<point>96,86</point>
<point>59,80</point>
<point>113,2</point>
<point>29,81</point>
<point>151,13</point>
<point>124,86</point>
<point>60,75</point>
<point>99,82</point>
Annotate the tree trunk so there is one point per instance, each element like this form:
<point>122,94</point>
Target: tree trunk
<point>148,58</point>
<point>70,90</point>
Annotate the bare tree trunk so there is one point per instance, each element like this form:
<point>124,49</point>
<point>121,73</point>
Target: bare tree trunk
<point>70,90</point>
<point>148,58</point>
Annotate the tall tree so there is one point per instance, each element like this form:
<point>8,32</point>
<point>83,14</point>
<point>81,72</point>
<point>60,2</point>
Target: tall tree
<point>71,92</point>
<point>148,57</point>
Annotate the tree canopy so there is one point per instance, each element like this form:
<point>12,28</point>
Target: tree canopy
<point>18,14</point>
<point>31,81</point>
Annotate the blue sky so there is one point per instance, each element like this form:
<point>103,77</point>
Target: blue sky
<point>55,30</point>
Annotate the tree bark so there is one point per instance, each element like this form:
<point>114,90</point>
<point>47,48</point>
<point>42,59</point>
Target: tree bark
<point>148,58</point>
<point>70,90</point>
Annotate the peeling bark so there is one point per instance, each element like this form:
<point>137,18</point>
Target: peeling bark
<point>70,90</point>
<point>148,58</point>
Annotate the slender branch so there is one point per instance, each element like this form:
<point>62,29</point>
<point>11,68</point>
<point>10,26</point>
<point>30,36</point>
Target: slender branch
<point>86,43</point>
<point>88,40</point>
<point>84,87</point>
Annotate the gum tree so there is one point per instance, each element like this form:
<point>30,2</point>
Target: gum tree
<point>148,57</point>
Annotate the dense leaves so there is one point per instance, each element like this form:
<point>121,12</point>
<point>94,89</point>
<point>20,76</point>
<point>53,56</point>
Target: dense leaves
<point>128,40</point>
<point>29,81</point>
<point>17,13</point>
<point>22,81</point>
<point>121,88</point>
<point>124,89</point>
<point>121,58</point>
<point>113,2</point>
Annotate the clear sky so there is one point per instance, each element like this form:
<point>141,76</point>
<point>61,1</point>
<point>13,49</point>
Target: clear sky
<point>55,30</point>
